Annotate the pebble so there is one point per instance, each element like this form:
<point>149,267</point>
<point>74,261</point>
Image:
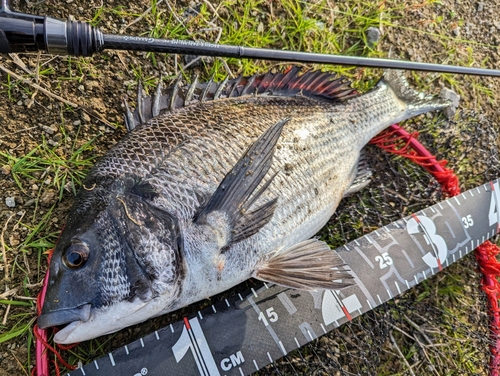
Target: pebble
<point>6,169</point>
<point>10,202</point>
<point>30,202</point>
<point>49,130</point>
<point>372,35</point>
<point>48,198</point>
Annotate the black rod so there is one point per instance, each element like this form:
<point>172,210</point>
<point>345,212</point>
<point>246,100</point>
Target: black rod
<point>120,42</point>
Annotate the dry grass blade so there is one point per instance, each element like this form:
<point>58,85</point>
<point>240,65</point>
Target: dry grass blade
<point>15,58</point>
<point>4,250</point>
<point>37,87</point>
<point>137,19</point>
<point>7,311</point>
<point>401,356</point>
<point>8,293</point>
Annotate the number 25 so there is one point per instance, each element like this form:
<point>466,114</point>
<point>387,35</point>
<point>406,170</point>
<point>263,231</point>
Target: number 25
<point>384,261</point>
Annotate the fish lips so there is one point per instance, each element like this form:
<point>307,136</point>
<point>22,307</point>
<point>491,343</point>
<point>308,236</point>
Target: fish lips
<point>64,316</point>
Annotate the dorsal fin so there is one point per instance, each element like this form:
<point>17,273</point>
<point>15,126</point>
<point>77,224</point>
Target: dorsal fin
<point>315,84</point>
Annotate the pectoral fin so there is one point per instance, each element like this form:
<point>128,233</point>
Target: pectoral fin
<point>238,190</point>
<point>308,265</point>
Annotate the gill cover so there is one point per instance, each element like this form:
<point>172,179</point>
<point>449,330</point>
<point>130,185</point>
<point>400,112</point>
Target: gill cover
<point>129,250</point>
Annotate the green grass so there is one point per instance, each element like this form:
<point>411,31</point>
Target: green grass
<point>46,165</point>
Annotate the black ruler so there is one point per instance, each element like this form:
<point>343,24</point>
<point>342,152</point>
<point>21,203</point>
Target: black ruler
<point>244,333</point>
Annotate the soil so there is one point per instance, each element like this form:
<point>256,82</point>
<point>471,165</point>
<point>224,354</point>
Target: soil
<point>99,84</point>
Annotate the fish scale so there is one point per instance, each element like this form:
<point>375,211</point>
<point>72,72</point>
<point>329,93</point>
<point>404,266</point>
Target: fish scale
<point>229,188</point>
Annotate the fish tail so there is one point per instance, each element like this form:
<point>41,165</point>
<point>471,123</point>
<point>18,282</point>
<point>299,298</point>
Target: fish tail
<point>416,102</point>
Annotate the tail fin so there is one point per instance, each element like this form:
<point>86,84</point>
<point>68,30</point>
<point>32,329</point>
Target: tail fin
<point>417,102</point>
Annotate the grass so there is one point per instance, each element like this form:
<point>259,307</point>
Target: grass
<point>47,166</point>
<point>320,26</point>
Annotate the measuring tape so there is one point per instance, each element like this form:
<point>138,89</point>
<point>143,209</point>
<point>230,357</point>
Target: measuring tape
<point>246,332</point>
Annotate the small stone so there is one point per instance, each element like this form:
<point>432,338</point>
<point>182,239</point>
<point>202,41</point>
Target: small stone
<point>76,123</point>
<point>372,35</point>
<point>47,198</point>
<point>30,202</point>
<point>480,7</point>
<point>49,130</point>
<point>85,117</point>
<point>81,88</point>
<point>6,169</point>
<point>10,202</point>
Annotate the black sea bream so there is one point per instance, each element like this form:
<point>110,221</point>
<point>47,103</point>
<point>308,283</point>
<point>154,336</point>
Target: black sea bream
<point>217,183</point>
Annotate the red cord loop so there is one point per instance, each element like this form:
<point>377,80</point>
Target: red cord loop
<point>396,140</point>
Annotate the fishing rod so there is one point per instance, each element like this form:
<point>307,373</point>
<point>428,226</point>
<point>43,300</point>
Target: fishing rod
<point>22,32</point>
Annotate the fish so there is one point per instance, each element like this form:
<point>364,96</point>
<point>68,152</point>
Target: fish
<point>216,183</point>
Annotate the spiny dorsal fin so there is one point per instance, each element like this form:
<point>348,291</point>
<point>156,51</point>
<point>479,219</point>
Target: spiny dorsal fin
<point>314,84</point>
<point>237,192</point>
<point>309,265</point>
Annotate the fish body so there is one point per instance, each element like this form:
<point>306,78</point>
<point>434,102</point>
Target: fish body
<point>204,196</point>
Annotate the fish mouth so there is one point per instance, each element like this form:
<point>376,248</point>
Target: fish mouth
<point>64,316</point>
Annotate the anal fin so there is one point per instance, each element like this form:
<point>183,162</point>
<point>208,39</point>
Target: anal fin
<point>308,265</point>
<point>363,175</point>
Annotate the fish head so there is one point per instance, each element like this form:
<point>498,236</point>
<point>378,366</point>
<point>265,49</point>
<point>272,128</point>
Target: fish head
<point>117,263</point>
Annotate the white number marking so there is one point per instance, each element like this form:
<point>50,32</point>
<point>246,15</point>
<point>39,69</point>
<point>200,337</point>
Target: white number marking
<point>429,230</point>
<point>468,221</point>
<point>193,339</point>
<point>494,213</point>
<point>273,316</point>
<point>384,260</point>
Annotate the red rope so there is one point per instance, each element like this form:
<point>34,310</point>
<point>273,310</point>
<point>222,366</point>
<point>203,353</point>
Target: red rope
<point>396,140</point>
<point>42,344</point>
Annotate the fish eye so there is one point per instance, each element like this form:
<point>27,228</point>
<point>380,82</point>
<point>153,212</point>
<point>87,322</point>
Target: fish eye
<point>76,255</point>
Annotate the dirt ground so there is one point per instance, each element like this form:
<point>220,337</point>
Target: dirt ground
<point>458,32</point>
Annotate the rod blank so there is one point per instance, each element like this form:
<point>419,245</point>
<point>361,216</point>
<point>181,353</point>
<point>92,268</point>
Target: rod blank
<point>120,42</point>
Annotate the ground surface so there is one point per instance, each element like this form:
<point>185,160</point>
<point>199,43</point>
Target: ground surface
<point>46,146</point>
